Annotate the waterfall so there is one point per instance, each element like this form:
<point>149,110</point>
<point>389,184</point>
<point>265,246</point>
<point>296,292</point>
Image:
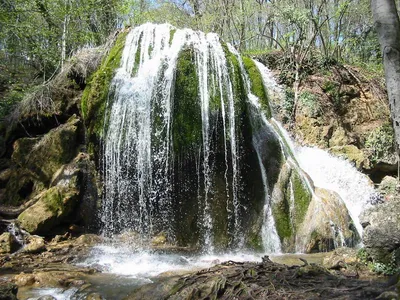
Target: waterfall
<point>190,151</point>
<point>138,152</point>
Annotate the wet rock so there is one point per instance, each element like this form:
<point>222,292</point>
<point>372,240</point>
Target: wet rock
<point>381,235</point>
<point>35,244</point>
<point>23,279</point>
<point>159,240</point>
<point>47,297</point>
<point>289,214</point>
<point>88,240</point>
<point>8,243</point>
<point>327,224</point>
<point>8,291</point>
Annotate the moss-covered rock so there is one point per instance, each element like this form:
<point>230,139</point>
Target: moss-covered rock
<point>257,84</point>
<point>95,96</point>
<point>187,122</point>
<point>72,197</point>
<point>289,203</point>
<point>326,225</point>
<point>53,206</point>
<point>42,157</point>
<point>352,154</point>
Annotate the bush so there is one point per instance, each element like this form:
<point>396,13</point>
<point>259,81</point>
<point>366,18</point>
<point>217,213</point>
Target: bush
<point>288,104</point>
<point>310,104</point>
<point>380,142</point>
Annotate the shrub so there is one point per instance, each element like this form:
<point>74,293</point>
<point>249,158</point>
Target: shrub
<point>380,142</point>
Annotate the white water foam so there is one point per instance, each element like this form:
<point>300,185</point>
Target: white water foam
<point>337,174</point>
<point>147,264</point>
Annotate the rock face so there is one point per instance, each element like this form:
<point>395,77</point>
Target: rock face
<point>42,157</point>
<point>327,224</point>
<point>381,235</point>
<point>309,222</point>
<point>289,203</point>
<point>8,243</point>
<point>56,204</point>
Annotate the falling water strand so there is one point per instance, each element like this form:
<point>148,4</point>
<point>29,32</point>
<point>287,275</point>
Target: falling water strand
<point>270,238</point>
<point>134,169</point>
<point>138,139</point>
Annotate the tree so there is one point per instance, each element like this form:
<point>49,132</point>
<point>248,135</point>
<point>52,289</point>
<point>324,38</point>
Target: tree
<point>388,28</point>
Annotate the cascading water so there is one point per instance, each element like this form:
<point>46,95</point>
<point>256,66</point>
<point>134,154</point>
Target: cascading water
<point>140,147</point>
<point>191,152</point>
<point>337,174</point>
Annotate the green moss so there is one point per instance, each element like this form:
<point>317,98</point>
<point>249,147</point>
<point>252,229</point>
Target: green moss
<point>171,36</point>
<point>257,84</point>
<point>94,98</point>
<point>187,125</point>
<point>254,242</point>
<point>95,95</point>
<point>281,213</point>
<point>302,198</point>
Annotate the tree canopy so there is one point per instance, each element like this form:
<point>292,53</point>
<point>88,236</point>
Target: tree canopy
<point>37,36</point>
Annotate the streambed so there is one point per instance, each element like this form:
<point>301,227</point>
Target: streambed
<point>68,270</point>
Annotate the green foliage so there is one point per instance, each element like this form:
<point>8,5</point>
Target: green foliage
<point>363,256</point>
<point>10,99</point>
<point>389,268</point>
<point>309,102</point>
<point>380,142</point>
<point>288,104</point>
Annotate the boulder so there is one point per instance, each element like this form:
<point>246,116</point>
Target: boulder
<point>19,187</point>
<point>8,243</point>
<point>159,240</point>
<point>35,244</point>
<point>327,224</point>
<point>72,196</point>
<point>23,279</point>
<point>88,240</point>
<point>94,296</point>
<point>43,156</point>
<point>388,187</point>
<point>381,235</point>
<point>53,206</point>
<point>289,204</point>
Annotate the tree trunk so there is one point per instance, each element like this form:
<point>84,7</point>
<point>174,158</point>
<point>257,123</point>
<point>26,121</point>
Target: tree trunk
<point>388,28</point>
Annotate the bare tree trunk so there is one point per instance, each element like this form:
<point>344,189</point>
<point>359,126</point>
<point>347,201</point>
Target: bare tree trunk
<point>388,28</point>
